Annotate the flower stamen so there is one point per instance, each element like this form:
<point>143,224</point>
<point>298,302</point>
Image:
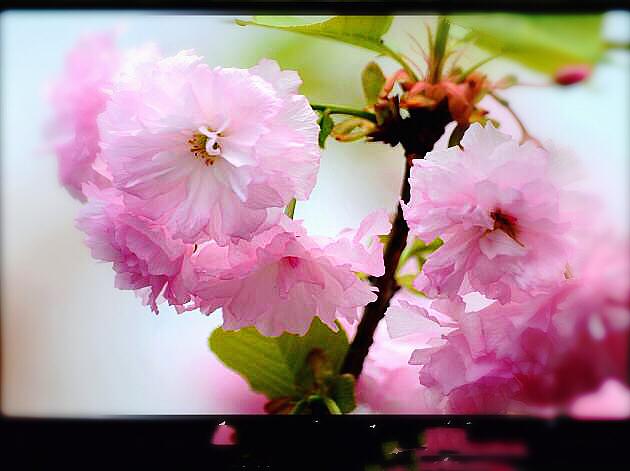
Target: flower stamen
<point>205,145</point>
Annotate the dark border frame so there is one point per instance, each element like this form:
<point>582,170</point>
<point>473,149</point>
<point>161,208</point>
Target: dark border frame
<point>300,442</point>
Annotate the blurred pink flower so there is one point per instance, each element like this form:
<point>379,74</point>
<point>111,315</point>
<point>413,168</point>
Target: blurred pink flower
<point>224,435</point>
<point>228,392</point>
<point>501,211</point>
<point>545,352</point>
<point>282,278</point>
<point>483,455</point>
<point>206,151</point>
<point>144,256</point>
<point>78,97</point>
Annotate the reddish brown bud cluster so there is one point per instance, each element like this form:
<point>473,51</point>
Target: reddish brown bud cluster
<point>462,94</point>
<point>458,96</point>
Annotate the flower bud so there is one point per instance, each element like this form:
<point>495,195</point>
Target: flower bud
<point>572,74</point>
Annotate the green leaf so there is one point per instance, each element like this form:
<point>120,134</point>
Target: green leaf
<point>373,80</point>
<point>272,365</point>
<point>326,125</point>
<point>342,392</point>
<point>296,349</point>
<point>362,31</point>
<point>541,42</point>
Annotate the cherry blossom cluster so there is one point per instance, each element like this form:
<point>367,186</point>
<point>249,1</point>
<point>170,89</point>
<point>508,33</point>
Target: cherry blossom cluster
<point>523,243</point>
<point>185,171</point>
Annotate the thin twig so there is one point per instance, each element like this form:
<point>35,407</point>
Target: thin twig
<point>525,134</point>
<point>335,109</point>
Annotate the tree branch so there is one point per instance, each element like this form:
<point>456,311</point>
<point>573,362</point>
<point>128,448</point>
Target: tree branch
<point>419,133</point>
<point>387,287</point>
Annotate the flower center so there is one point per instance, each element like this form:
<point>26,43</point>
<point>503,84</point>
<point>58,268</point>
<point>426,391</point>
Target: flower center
<point>205,144</point>
<point>505,223</point>
<point>292,261</point>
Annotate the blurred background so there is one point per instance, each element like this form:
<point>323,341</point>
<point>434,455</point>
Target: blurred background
<point>73,345</point>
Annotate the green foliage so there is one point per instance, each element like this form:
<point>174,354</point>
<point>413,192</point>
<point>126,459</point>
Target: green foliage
<point>362,31</point>
<point>342,391</point>
<point>541,42</point>
<point>419,250</point>
<point>275,366</point>
<point>372,79</point>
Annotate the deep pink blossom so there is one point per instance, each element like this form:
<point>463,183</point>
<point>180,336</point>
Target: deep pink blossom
<point>283,277</point>
<point>144,256</point>
<point>503,212</point>
<point>224,435</point>
<point>206,151</point>
<point>541,353</point>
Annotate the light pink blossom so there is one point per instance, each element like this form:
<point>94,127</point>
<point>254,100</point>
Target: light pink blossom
<point>144,256</point>
<point>610,401</point>
<point>501,210</point>
<point>283,277</point>
<point>78,97</point>
<point>206,151</point>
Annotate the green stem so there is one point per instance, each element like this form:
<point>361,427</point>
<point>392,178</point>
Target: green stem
<point>290,209</point>
<point>471,69</point>
<point>334,109</point>
<point>439,49</point>
<point>398,58</point>
<point>616,45</point>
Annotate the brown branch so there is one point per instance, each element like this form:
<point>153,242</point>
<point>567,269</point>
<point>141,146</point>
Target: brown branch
<point>387,287</point>
<point>418,134</point>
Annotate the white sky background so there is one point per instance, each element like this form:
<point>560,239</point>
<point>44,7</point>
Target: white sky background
<point>74,345</point>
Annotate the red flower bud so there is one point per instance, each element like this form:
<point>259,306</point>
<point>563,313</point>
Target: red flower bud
<point>572,74</point>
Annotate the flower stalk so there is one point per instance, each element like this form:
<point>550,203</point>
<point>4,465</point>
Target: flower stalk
<point>335,109</point>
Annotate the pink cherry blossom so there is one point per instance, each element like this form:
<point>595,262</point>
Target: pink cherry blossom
<point>206,151</point>
<point>144,256</point>
<point>283,278</point>
<point>501,210</point>
<point>526,356</point>
<point>78,97</point>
